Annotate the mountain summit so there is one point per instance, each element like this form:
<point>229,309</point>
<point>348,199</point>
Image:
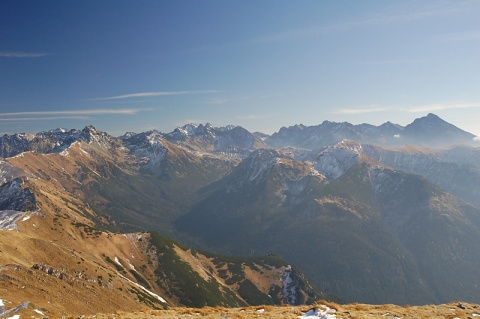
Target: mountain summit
<point>434,131</point>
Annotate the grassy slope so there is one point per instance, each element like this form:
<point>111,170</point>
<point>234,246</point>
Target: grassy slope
<point>78,258</point>
<point>451,310</point>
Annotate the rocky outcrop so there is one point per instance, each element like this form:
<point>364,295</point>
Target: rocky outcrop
<point>14,197</point>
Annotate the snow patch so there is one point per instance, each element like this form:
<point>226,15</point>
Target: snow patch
<point>64,152</point>
<point>19,155</point>
<point>9,218</point>
<point>27,216</point>
<point>288,288</point>
<point>188,130</point>
<point>154,139</point>
<point>130,264</point>
<point>85,152</point>
<point>118,261</point>
<point>323,312</point>
<point>153,152</point>
<point>334,161</point>
<point>4,313</point>
<point>39,312</point>
<point>143,288</point>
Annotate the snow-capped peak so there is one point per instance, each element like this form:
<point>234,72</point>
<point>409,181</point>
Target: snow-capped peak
<point>352,146</point>
<point>226,128</point>
<point>148,147</point>
<point>154,138</point>
<point>188,129</point>
<point>59,130</point>
<point>335,160</point>
<point>261,161</point>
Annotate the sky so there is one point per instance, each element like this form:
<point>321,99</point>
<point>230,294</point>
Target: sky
<point>142,65</point>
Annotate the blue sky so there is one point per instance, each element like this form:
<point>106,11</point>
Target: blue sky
<point>139,65</point>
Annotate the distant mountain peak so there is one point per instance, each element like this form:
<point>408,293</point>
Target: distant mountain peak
<point>435,131</point>
<point>90,128</point>
<point>389,124</point>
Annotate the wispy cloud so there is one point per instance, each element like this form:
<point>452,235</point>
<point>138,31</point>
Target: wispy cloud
<point>22,54</point>
<point>425,108</point>
<point>152,94</point>
<point>361,111</point>
<point>411,15</point>
<point>64,114</point>
<point>471,35</point>
<point>74,112</point>
<point>445,106</point>
<point>42,118</point>
<point>255,116</point>
<point>393,15</point>
<point>382,18</point>
<point>395,62</point>
<point>217,101</point>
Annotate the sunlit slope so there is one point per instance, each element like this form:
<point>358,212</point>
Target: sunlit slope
<point>60,256</point>
<point>131,193</point>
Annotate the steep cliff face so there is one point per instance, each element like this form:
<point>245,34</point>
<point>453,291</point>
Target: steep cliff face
<point>295,288</point>
<point>14,197</point>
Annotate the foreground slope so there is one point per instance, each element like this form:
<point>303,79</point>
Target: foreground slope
<point>324,310</point>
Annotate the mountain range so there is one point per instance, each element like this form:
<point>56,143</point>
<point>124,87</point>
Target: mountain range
<point>428,131</point>
<point>378,214</point>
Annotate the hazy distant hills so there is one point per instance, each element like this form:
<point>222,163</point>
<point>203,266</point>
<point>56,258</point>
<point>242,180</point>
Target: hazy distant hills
<point>367,217</point>
<point>455,168</point>
<point>369,233</point>
<point>429,131</point>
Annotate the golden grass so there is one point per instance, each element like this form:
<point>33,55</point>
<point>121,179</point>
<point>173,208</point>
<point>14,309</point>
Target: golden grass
<point>352,311</point>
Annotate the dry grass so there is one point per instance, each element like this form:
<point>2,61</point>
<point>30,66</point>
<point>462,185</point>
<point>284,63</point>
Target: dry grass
<point>353,311</point>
